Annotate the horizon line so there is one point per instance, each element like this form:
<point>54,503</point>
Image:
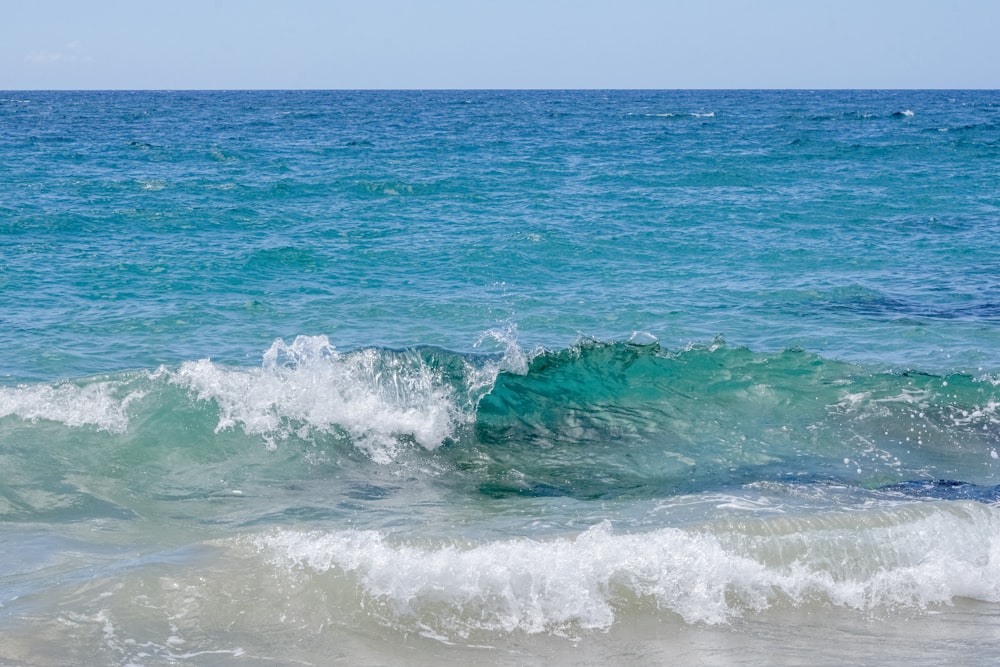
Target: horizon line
<point>500,89</point>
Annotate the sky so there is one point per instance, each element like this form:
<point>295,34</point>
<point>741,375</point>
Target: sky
<point>468,44</point>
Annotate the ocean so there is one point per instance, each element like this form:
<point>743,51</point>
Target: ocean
<point>500,377</point>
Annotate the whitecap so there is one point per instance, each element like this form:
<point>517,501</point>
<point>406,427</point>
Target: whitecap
<point>102,404</point>
<point>380,399</point>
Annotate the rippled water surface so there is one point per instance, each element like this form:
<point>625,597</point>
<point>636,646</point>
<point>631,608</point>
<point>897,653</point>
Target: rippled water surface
<point>499,377</point>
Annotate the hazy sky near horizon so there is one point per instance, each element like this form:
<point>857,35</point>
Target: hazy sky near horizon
<point>216,44</point>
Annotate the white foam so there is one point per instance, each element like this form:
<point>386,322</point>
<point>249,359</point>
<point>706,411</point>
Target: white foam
<point>103,404</point>
<point>514,359</point>
<point>479,380</point>
<point>984,414</point>
<point>379,399</point>
<point>927,554</point>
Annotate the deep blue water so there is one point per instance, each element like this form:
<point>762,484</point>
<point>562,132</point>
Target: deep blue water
<point>476,368</point>
<point>147,228</point>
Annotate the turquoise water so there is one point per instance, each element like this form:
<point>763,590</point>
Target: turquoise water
<point>535,377</point>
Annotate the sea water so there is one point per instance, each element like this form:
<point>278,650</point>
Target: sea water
<point>540,377</point>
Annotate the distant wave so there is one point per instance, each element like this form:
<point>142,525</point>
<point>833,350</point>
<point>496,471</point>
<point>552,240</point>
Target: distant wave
<point>863,115</point>
<point>677,115</point>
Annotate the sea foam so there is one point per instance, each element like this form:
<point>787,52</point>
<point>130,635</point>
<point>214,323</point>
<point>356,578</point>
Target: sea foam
<point>909,557</point>
<point>102,404</point>
<point>381,400</point>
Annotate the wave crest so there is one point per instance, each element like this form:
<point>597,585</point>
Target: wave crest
<point>379,399</point>
<point>103,404</point>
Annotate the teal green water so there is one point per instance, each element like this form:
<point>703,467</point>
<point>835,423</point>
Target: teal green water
<point>433,377</point>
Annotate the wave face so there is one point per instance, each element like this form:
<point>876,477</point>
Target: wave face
<point>717,415</point>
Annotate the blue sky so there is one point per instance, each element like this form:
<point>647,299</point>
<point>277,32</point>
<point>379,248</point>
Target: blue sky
<point>175,44</point>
